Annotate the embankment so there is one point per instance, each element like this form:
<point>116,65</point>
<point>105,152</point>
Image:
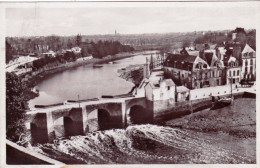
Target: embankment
<point>165,110</point>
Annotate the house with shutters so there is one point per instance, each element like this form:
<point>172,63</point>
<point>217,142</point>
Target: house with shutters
<point>233,70</point>
<point>248,60</point>
<point>218,71</point>
<point>187,70</point>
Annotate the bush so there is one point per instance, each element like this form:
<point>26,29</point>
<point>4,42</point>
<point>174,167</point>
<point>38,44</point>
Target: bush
<point>14,107</point>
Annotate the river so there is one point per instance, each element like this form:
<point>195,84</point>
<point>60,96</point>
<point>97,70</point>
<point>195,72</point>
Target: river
<point>85,81</point>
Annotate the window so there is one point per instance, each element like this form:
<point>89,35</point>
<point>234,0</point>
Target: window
<point>251,69</point>
<point>220,73</point>
<point>234,73</point>
<point>237,72</point>
<point>161,95</point>
<point>246,62</point>
<point>251,61</point>
<point>213,74</point>
<point>168,88</point>
<point>251,54</point>
<point>229,73</point>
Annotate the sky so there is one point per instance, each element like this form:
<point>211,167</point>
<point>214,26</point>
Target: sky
<point>125,20</point>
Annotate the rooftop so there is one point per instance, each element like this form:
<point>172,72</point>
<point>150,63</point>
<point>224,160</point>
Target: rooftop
<point>181,89</point>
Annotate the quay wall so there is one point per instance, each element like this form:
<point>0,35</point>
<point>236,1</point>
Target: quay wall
<point>165,110</point>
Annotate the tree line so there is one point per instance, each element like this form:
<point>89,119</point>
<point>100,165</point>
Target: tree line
<point>97,50</point>
<point>219,37</point>
<point>104,48</point>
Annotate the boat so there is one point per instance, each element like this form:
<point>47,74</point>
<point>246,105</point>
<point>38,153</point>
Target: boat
<point>111,62</point>
<point>97,66</point>
<point>222,102</point>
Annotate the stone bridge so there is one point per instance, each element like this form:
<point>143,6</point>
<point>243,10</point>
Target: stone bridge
<point>78,119</point>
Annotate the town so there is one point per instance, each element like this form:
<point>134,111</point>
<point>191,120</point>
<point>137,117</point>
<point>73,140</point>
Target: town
<point>170,84</point>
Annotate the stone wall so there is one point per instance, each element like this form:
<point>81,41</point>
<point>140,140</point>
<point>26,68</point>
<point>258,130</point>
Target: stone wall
<point>165,110</point>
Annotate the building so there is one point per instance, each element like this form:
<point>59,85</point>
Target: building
<point>233,70</point>
<point>182,94</point>
<point>49,54</point>
<point>76,50</point>
<point>248,63</point>
<point>204,70</point>
<point>218,74</point>
<point>159,88</point>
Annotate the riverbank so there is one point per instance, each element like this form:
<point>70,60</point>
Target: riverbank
<point>232,128</point>
<point>34,78</point>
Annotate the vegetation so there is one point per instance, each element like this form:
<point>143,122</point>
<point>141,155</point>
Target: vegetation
<point>8,50</point>
<point>14,107</point>
<point>102,49</point>
<point>219,37</point>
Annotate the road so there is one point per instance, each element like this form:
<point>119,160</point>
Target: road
<point>75,105</point>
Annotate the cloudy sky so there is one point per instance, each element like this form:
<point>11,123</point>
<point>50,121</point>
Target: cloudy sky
<point>126,20</point>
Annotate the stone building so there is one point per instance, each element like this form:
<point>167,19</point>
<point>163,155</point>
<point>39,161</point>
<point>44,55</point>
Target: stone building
<point>248,63</point>
<point>218,71</point>
<point>158,88</point>
<point>233,70</point>
<point>193,71</point>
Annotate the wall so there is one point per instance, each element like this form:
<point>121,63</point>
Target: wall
<point>16,154</point>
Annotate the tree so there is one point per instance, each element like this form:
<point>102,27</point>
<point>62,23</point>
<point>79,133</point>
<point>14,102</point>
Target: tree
<point>186,43</point>
<point>14,107</point>
<point>78,40</point>
<point>9,53</point>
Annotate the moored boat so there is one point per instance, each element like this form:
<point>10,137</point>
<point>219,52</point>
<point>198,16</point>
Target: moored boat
<point>224,101</point>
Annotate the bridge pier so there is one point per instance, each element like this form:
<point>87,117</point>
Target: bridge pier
<point>123,110</point>
<point>85,120</point>
<point>41,128</point>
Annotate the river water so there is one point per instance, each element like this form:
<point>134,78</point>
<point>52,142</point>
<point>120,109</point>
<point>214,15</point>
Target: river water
<point>85,81</point>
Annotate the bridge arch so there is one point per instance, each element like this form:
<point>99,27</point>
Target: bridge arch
<point>68,123</point>
<point>98,119</point>
<point>137,111</point>
<point>103,119</point>
<point>136,114</point>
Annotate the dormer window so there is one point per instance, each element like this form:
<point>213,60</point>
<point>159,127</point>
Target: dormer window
<point>232,64</point>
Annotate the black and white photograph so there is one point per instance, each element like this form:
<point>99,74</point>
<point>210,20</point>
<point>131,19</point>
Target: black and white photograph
<point>129,83</point>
